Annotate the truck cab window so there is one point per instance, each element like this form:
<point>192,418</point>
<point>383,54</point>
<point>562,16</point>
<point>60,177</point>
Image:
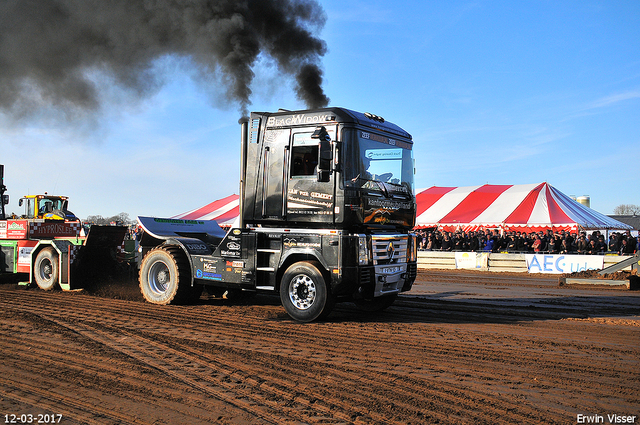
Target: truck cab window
<point>304,155</point>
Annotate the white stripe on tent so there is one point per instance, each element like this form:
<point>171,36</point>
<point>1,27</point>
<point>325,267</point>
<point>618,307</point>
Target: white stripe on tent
<point>444,205</point>
<point>220,211</point>
<point>496,213</point>
<point>540,213</point>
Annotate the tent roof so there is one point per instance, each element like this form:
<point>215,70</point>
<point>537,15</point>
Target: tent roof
<point>223,211</point>
<point>538,205</point>
<point>532,206</point>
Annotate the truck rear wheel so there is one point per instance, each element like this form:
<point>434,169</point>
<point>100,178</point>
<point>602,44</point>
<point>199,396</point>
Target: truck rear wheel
<point>165,277</point>
<point>45,269</point>
<point>304,293</point>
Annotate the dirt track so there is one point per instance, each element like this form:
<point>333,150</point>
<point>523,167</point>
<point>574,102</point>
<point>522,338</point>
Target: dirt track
<point>462,347</point>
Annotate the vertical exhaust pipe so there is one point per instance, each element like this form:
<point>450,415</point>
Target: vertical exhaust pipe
<point>2,190</point>
<point>244,140</point>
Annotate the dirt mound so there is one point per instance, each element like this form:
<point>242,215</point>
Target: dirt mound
<point>594,274</point>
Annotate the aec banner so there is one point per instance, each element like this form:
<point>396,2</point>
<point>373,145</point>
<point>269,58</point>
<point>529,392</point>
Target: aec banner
<point>547,263</point>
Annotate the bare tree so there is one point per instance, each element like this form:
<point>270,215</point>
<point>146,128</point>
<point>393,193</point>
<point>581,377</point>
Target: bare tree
<point>122,218</point>
<point>627,209</point>
<point>96,219</point>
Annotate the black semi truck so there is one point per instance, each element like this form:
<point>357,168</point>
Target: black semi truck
<point>326,210</point>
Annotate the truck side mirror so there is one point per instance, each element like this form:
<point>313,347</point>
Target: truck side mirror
<point>325,156</point>
<point>20,202</point>
<point>5,199</point>
<point>325,153</point>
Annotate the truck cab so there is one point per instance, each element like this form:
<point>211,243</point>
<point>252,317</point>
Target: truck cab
<point>332,168</point>
<point>326,210</point>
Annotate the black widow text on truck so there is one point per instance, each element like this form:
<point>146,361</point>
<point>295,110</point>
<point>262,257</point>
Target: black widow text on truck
<point>326,211</point>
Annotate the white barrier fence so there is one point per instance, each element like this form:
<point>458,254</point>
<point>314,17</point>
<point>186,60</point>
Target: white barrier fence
<point>525,263</point>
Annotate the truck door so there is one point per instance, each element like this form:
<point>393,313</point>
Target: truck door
<point>307,199</point>
<point>272,175</point>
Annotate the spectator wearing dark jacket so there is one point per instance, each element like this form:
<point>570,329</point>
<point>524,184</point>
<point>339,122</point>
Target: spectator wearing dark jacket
<point>625,248</point>
<point>632,244</point>
<point>614,243</point>
<point>602,245</point>
<point>592,248</point>
<point>582,245</point>
<point>474,243</point>
<point>520,243</point>
<point>447,244</point>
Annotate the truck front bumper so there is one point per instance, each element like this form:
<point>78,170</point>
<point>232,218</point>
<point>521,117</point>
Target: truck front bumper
<point>381,280</point>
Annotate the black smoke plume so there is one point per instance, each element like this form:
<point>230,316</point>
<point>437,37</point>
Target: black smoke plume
<point>51,50</point>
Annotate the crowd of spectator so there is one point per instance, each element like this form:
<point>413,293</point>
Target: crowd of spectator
<point>562,242</point>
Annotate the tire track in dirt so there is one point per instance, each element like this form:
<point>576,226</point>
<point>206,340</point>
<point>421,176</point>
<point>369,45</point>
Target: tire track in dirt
<point>55,358</point>
<point>424,360</point>
<point>71,409</point>
<point>281,383</point>
<point>447,396</point>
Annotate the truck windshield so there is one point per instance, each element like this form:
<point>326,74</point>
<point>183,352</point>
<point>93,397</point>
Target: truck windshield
<point>377,162</point>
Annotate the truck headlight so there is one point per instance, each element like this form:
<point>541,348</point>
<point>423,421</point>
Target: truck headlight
<point>363,250</point>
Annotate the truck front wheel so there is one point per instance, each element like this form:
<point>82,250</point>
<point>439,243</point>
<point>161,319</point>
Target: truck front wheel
<point>165,277</point>
<point>304,293</point>
<point>45,269</point>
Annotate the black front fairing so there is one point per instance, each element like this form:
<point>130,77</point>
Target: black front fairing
<point>368,210</point>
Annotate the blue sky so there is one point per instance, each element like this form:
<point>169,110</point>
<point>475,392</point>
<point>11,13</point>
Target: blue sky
<point>495,92</point>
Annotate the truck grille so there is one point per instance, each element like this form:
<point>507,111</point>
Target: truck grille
<point>389,249</point>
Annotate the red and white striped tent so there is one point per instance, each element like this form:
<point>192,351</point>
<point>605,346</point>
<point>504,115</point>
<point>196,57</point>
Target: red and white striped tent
<point>527,207</point>
<point>224,211</point>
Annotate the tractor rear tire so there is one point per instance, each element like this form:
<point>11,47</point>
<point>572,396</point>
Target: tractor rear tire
<point>46,270</point>
<point>165,277</point>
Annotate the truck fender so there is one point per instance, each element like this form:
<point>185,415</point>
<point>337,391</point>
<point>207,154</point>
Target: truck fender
<point>307,253</point>
<point>190,247</point>
<point>295,255</point>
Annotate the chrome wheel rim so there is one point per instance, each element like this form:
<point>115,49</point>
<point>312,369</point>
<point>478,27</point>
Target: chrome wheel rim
<point>302,291</point>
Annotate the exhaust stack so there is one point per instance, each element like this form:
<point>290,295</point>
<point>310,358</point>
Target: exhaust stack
<point>244,139</point>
